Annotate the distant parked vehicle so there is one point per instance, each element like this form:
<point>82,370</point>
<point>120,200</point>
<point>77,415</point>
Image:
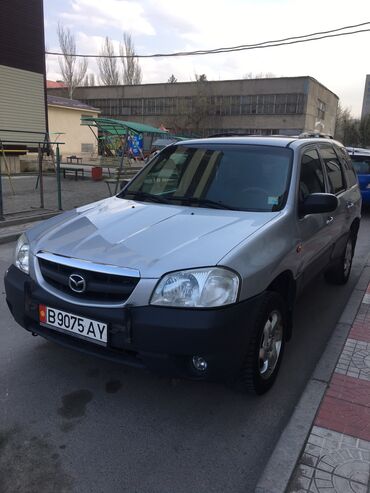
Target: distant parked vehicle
<point>160,144</point>
<point>361,162</point>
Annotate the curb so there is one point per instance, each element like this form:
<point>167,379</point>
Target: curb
<point>24,223</point>
<point>28,219</point>
<point>280,467</point>
<point>10,237</point>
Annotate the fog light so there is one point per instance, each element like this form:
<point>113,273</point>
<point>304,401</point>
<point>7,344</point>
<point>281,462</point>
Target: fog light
<point>199,363</point>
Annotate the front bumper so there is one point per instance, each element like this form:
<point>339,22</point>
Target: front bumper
<point>161,339</point>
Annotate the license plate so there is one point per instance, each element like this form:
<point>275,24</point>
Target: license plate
<point>79,326</point>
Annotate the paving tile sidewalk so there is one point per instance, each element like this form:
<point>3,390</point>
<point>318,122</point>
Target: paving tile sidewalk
<point>336,457</point>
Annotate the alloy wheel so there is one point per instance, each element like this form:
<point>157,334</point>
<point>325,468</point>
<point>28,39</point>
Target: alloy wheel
<point>270,345</point>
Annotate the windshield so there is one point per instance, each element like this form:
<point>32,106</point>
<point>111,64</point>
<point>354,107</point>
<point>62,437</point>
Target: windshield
<point>361,164</point>
<point>239,177</point>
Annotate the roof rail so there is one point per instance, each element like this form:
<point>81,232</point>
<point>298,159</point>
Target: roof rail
<point>234,134</point>
<point>317,135</point>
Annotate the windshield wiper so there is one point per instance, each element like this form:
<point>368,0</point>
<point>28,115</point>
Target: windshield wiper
<point>197,200</point>
<point>138,194</point>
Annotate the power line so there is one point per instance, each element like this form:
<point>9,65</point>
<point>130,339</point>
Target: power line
<point>332,33</point>
<point>234,48</point>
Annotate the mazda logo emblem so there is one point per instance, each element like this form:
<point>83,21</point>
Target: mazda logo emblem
<point>77,283</point>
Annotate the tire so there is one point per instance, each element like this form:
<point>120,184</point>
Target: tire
<point>259,373</point>
<point>340,272</point>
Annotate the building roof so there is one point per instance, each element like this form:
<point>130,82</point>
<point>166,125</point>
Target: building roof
<point>53,83</point>
<point>119,127</point>
<point>251,82</point>
<point>70,103</point>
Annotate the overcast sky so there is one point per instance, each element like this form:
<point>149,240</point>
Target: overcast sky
<point>341,64</point>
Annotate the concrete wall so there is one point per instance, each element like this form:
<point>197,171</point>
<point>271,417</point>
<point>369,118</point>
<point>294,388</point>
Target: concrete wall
<point>224,87</point>
<point>308,88</point>
<point>313,122</point>
<point>68,122</point>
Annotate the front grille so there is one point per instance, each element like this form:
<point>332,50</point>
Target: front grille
<point>100,287</point>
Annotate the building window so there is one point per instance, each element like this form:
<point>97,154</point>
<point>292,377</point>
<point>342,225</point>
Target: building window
<point>235,108</point>
<point>256,104</point>
<point>87,147</point>
<point>321,108</point>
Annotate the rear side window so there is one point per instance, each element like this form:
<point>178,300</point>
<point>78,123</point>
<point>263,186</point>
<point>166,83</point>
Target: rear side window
<point>312,178</point>
<point>347,165</point>
<point>333,169</point>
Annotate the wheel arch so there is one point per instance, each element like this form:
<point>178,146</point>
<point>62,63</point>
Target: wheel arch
<point>285,285</point>
<point>355,226</point>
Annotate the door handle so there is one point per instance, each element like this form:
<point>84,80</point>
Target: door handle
<point>349,205</point>
<point>329,220</point>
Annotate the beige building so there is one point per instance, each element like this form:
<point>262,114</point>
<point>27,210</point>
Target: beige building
<point>64,117</point>
<point>288,105</point>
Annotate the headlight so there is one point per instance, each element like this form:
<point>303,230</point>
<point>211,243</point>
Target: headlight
<point>22,254</point>
<point>201,288</point>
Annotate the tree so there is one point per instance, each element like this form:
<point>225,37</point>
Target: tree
<point>364,131</point>
<point>92,79</point>
<point>172,79</point>
<point>265,75</point>
<point>201,78</point>
<point>73,72</point>
<point>132,74</point>
<point>197,109</point>
<point>108,70</point>
<point>248,75</point>
<point>89,80</point>
<point>260,75</point>
<point>346,128</point>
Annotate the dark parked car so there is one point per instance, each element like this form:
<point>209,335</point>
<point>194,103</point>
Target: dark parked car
<point>361,163</point>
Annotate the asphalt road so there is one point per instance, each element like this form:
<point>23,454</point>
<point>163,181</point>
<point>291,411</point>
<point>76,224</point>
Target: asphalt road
<point>72,423</point>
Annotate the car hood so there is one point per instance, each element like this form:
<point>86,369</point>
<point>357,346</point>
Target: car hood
<point>152,238</point>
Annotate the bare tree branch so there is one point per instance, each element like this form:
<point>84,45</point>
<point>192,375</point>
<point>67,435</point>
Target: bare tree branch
<point>201,78</point>
<point>132,74</point>
<point>73,72</point>
<point>108,70</point>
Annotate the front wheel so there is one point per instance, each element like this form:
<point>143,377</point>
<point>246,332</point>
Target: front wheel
<point>339,273</point>
<point>266,346</point>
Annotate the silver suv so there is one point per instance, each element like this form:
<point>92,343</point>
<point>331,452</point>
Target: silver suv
<point>193,269</point>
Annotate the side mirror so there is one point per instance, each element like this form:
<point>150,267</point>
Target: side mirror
<point>317,203</point>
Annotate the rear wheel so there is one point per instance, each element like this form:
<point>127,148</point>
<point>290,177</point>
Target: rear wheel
<point>266,346</point>
<point>340,272</point>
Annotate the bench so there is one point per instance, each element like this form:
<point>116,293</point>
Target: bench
<point>113,182</point>
<point>71,171</point>
<point>70,159</point>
